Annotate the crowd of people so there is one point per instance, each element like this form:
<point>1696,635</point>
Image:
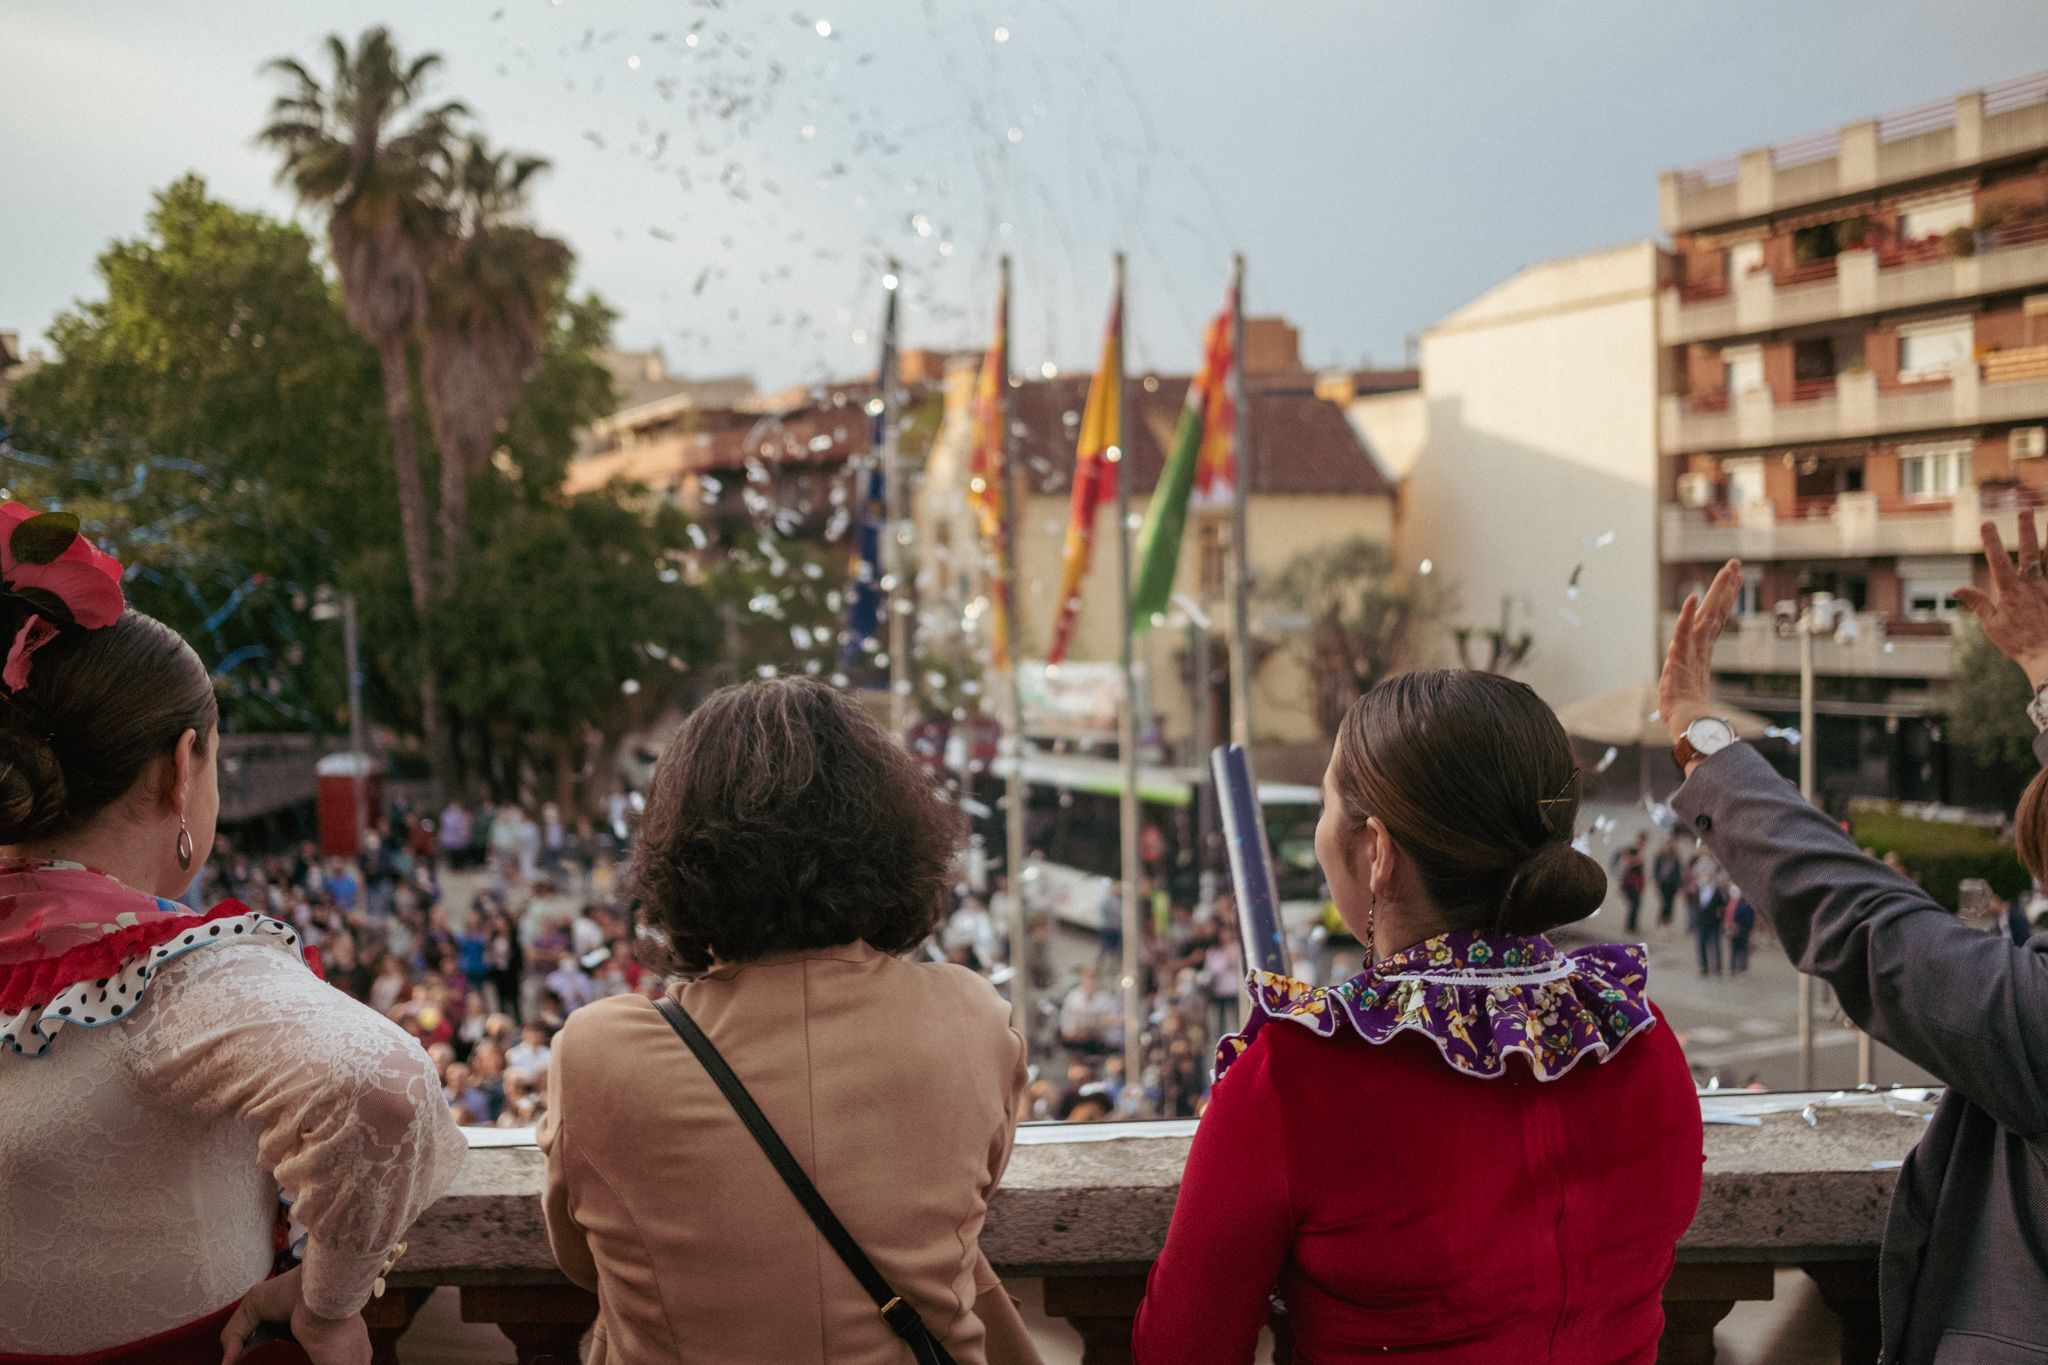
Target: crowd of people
<point>482,976</point>
<point>1693,890</point>
<point>479,929</point>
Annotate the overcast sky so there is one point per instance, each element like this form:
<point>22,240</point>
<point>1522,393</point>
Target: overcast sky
<point>1380,163</point>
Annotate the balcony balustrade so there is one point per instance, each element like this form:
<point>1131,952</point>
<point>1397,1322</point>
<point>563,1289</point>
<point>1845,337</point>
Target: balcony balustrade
<point>1086,1210</point>
<point>1880,647</point>
<point>1997,123</point>
<point>1855,408</point>
<point>1857,283</point>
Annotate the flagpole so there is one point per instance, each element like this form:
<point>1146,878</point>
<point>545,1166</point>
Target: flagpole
<point>895,595</point>
<point>1127,726</point>
<point>1013,729</point>
<point>1240,497</point>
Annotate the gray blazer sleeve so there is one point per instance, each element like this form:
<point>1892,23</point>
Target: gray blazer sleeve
<point>1965,1004</point>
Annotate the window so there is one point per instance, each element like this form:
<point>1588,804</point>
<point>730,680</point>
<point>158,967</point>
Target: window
<point>1745,482</point>
<point>1935,217</point>
<point>1933,350</point>
<point>1813,358</point>
<point>1933,472</point>
<point>1927,587</point>
<point>1745,368</point>
<point>1821,242</point>
<point>1744,259</point>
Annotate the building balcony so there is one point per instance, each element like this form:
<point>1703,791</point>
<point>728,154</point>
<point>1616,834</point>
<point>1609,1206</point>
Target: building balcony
<point>1854,407</point>
<point>1997,123</point>
<point>1859,284</point>
<point>1847,526</point>
<point>1882,647</point>
<point>1088,1217</point>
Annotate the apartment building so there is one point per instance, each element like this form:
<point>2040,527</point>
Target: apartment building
<point>1853,335</point>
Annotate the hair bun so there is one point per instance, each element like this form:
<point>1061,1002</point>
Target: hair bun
<point>1557,885</point>
<point>31,786</point>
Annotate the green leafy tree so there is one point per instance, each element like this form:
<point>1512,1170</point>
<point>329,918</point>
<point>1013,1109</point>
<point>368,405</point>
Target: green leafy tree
<point>1359,619</point>
<point>217,420</point>
<point>1988,695</point>
<point>572,624</point>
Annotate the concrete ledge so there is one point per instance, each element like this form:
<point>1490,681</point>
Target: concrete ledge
<point>1784,1192</point>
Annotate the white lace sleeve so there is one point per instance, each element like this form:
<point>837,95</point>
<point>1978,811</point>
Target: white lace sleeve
<point>351,1119</point>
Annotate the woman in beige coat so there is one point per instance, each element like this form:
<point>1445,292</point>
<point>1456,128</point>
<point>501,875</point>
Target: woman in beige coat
<point>790,855</point>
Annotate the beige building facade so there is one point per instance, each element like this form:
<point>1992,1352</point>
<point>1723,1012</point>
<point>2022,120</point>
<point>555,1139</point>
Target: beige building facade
<point>1530,460</point>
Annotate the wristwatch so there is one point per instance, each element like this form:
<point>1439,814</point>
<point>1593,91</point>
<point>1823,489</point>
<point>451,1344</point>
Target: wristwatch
<point>1704,738</point>
<point>2037,709</point>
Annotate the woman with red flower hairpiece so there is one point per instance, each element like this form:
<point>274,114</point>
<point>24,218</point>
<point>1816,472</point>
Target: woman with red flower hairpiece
<point>165,1075</point>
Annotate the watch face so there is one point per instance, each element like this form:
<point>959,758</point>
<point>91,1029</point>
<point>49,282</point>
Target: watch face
<point>1710,734</point>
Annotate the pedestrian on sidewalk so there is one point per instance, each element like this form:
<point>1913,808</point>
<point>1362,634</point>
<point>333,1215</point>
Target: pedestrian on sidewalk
<point>1628,864</point>
<point>1961,1277</point>
<point>1741,923</point>
<point>1669,872</point>
<point>1709,903</point>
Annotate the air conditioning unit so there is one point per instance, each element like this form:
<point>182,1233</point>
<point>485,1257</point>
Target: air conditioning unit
<point>2028,443</point>
<point>1697,490</point>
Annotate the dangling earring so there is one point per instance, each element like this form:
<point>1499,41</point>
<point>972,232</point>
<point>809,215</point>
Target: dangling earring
<point>1372,941</point>
<point>184,846</point>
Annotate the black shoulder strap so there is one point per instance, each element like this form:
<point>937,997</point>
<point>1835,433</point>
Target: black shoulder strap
<point>897,1311</point>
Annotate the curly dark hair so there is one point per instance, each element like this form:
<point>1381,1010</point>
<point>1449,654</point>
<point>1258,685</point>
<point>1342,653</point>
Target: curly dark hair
<point>783,817</point>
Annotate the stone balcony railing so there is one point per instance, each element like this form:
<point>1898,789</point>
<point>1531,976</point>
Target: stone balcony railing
<point>1854,407</point>
<point>1998,123</point>
<point>1756,303</point>
<point>1086,1210</point>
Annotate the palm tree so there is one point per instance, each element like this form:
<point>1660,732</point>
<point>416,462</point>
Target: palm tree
<point>361,150</point>
<point>492,294</point>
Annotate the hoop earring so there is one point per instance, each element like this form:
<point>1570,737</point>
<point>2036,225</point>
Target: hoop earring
<point>184,846</point>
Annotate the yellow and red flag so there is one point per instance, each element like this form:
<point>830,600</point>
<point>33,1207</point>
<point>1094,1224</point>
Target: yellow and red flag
<point>988,472</point>
<point>1200,465</point>
<point>1095,474</point>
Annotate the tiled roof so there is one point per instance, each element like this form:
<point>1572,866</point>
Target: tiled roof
<point>1302,444</point>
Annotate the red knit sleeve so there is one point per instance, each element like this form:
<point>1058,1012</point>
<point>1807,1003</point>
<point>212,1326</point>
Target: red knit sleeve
<point>1233,1226</point>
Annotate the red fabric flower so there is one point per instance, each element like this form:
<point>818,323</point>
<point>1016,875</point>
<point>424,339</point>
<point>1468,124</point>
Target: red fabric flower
<point>65,581</point>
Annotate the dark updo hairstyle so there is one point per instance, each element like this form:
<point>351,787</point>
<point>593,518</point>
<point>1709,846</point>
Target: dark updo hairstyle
<point>1474,779</point>
<point>782,817</point>
<point>99,706</point>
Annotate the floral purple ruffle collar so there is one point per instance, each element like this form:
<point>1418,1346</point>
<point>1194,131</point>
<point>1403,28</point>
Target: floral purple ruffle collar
<point>1479,997</point>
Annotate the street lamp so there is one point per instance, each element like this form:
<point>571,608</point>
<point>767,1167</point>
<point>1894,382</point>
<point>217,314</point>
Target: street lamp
<point>1823,615</point>
<point>327,605</point>
<point>1199,639</point>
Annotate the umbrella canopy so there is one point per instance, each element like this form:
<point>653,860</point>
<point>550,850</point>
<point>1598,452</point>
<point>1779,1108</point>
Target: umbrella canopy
<point>1629,716</point>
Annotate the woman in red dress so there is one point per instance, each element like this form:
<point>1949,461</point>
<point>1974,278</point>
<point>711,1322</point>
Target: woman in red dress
<point>1480,1149</point>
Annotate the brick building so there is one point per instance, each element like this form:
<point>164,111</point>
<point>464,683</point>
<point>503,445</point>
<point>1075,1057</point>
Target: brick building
<point>1854,369</point>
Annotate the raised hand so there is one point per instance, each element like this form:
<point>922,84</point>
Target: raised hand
<point>2014,614</point>
<point>1684,693</point>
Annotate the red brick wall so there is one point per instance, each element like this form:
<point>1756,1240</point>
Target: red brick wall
<point>1778,370</point>
<point>1704,371</point>
<point>2025,191</point>
<point>1990,461</point>
<point>1696,263</point>
<point>1881,476</point>
<point>1881,355</point>
<point>2005,328</point>
<point>1780,486</point>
